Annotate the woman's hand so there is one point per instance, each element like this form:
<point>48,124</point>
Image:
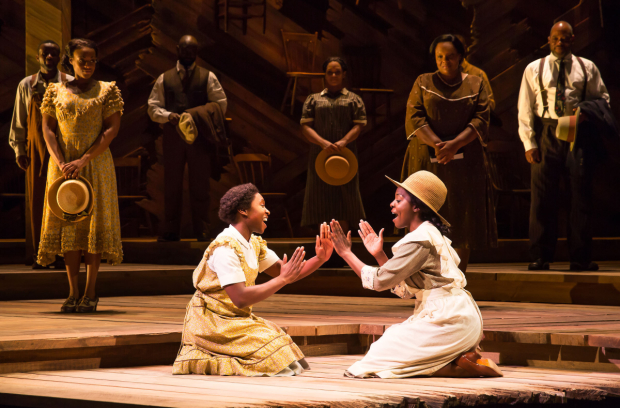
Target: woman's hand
<point>342,243</point>
<point>72,169</point>
<point>446,151</point>
<point>324,245</point>
<point>289,272</point>
<point>341,144</point>
<point>372,241</point>
<point>327,145</point>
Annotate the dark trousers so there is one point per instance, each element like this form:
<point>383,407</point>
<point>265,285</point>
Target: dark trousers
<point>36,178</point>
<point>176,153</point>
<point>546,178</point>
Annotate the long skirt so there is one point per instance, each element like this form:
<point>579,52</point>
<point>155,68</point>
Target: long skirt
<point>446,323</point>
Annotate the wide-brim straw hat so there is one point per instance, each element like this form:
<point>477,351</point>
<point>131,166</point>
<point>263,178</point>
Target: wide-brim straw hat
<point>187,128</point>
<point>428,188</point>
<point>71,199</point>
<point>336,168</point>
<point>567,128</point>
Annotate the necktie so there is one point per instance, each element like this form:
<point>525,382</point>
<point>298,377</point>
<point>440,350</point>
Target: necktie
<point>560,91</point>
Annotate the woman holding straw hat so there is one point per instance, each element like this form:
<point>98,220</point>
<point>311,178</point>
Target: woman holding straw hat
<point>441,338</point>
<point>331,121</point>
<point>81,205</point>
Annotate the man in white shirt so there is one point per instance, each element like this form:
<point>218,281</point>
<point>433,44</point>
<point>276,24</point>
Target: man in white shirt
<point>178,89</point>
<point>26,139</point>
<point>551,88</point>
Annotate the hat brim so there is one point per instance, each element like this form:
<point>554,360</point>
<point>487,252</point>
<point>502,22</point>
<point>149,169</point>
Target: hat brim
<point>446,223</point>
<point>52,200</point>
<point>319,166</point>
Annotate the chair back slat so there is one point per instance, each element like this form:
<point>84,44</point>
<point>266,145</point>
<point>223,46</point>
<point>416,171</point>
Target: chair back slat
<point>250,166</point>
<point>300,51</point>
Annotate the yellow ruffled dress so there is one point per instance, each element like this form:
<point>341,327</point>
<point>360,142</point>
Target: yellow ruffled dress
<point>221,339</point>
<point>80,120</point>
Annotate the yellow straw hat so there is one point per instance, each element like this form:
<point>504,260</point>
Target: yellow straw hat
<point>187,128</point>
<point>336,168</point>
<point>71,200</point>
<point>567,128</point>
<point>428,188</point>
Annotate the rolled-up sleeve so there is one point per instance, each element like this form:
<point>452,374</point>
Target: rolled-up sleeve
<point>226,265</point>
<point>215,92</point>
<point>408,261</point>
<point>307,112</point>
<point>526,106</point>
<point>359,111</point>
<point>157,102</point>
<point>17,133</point>
<point>416,112</point>
<point>482,114</point>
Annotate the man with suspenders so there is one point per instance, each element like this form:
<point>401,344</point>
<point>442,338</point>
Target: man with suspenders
<point>26,139</point>
<point>181,88</point>
<point>552,87</point>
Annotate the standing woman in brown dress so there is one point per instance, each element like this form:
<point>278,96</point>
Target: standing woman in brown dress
<point>453,106</point>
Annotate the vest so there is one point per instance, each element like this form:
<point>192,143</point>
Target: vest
<point>187,94</point>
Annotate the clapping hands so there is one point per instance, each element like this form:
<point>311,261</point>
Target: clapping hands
<point>324,245</point>
<point>342,242</point>
<point>372,241</point>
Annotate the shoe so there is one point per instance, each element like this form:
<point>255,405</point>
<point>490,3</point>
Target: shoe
<point>538,265</point>
<point>578,266</point>
<point>38,266</point>
<point>69,306</point>
<point>476,366</point>
<point>87,305</point>
<point>169,237</point>
<point>59,263</point>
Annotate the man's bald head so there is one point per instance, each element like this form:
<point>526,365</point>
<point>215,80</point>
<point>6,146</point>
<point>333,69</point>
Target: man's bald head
<point>187,50</point>
<point>561,39</point>
<point>562,26</point>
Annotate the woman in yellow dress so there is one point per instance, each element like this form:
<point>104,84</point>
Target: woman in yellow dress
<point>87,114</point>
<point>221,335</point>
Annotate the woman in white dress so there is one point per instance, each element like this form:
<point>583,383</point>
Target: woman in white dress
<point>441,338</point>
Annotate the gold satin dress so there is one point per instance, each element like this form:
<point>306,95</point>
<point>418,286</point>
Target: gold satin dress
<point>222,339</point>
<point>80,120</point>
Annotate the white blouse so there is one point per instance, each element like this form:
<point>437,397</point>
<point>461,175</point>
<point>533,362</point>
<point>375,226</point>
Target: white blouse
<point>226,264</point>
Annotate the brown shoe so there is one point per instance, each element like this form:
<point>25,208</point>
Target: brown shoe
<point>87,305</point>
<point>69,306</point>
<point>476,366</point>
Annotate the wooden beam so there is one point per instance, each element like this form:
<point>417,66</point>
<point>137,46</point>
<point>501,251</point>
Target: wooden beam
<point>45,20</point>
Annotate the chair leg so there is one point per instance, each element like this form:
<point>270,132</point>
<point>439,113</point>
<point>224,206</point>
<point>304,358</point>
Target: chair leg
<point>389,112</point>
<point>293,96</point>
<point>225,16</point>
<point>245,19</point>
<point>264,16</point>
<point>288,90</point>
<point>288,222</point>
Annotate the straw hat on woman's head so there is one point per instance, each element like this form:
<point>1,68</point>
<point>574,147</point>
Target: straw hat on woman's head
<point>428,188</point>
<point>71,200</point>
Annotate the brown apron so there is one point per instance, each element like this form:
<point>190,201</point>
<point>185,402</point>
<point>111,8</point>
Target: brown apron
<point>36,174</point>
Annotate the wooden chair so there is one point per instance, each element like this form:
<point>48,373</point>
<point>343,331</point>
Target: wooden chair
<point>251,169</point>
<point>300,52</point>
<point>503,161</point>
<point>223,10</point>
<point>365,79</point>
<point>128,171</point>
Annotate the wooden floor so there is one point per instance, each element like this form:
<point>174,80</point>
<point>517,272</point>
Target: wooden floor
<point>34,335</point>
<point>321,386</point>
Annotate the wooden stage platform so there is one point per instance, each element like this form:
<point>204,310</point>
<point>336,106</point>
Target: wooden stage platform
<point>321,386</point>
<point>505,282</point>
<point>121,356</point>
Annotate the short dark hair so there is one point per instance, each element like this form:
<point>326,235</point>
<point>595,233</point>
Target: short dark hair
<point>237,198</point>
<point>460,48</point>
<point>42,43</point>
<point>426,214</point>
<point>72,45</point>
<point>339,60</point>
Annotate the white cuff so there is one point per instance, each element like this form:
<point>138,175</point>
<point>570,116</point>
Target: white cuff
<point>368,277</point>
<point>530,144</point>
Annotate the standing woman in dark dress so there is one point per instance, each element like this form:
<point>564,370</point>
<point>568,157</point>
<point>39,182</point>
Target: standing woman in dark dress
<point>332,120</point>
<point>450,104</point>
